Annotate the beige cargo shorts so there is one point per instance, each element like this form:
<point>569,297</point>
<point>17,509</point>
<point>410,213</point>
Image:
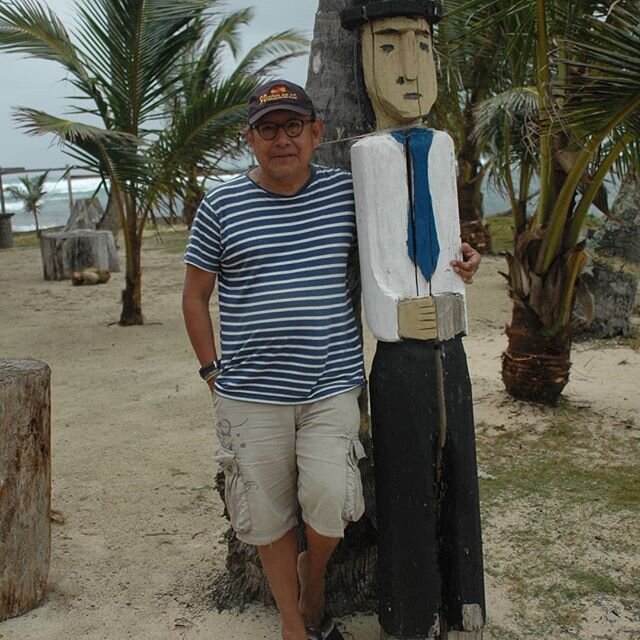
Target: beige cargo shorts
<point>279,458</point>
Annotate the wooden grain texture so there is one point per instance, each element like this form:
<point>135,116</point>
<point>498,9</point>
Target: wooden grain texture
<point>25,484</point>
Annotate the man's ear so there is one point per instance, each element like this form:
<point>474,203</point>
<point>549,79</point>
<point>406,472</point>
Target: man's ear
<point>248,136</point>
<point>317,128</point>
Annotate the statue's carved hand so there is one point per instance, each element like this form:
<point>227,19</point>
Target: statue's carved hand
<point>467,267</point>
<point>417,319</point>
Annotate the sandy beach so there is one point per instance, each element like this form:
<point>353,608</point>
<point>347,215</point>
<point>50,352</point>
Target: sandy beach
<point>141,537</point>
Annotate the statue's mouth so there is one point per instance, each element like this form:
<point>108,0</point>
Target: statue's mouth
<point>412,96</point>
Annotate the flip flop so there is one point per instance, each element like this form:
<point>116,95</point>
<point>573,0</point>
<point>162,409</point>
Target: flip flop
<point>326,631</point>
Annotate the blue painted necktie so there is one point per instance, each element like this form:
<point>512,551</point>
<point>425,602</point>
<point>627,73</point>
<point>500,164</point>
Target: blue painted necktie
<point>422,235</point>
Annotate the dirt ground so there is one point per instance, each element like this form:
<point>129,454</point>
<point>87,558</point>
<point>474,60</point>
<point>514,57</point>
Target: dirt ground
<point>132,440</point>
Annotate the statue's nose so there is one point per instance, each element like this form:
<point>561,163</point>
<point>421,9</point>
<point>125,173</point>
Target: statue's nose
<point>408,54</point>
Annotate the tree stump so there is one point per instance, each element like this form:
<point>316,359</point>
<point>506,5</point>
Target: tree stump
<point>67,251</point>
<point>25,485</point>
<point>6,233</point>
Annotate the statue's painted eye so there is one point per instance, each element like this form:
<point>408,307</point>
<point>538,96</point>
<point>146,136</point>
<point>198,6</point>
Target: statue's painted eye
<point>387,48</point>
<point>424,46</point>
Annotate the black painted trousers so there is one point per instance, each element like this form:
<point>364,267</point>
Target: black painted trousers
<point>429,535</point>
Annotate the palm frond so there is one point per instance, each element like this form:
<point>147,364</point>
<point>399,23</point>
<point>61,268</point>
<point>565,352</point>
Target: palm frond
<point>272,52</point>
<point>203,135</point>
<point>605,71</point>
<point>32,29</point>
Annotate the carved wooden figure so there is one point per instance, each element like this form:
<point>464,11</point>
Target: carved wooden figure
<point>429,539</point>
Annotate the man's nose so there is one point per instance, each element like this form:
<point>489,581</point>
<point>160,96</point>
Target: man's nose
<point>281,136</point>
<point>408,55</point>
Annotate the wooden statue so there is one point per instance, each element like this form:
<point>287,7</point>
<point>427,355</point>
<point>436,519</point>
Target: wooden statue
<point>430,570</point>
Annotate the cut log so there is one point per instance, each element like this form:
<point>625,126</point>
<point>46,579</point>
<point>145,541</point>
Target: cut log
<point>25,485</point>
<point>68,251</point>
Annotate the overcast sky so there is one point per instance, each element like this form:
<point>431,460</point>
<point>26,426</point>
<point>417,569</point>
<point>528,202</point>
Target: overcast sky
<point>41,85</point>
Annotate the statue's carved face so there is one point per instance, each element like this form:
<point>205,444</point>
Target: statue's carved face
<point>399,69</point>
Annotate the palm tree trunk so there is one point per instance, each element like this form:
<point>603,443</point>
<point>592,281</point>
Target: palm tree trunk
<point>132,293</point>
<point>535,367</point>
<point>470,197</point>
<point>190,207</point>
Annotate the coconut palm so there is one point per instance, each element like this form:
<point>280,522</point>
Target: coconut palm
<point>572,116</point>
<point>30,193</point>
<point>470,70</point>
<point>126,61</point>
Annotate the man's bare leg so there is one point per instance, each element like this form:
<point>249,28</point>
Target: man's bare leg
<point>279,563</point>
<point>312,565</point>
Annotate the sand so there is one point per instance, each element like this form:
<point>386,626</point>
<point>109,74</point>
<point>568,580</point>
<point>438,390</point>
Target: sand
<point>132,441</point>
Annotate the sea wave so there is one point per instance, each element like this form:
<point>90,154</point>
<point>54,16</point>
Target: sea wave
<point>55,204</point>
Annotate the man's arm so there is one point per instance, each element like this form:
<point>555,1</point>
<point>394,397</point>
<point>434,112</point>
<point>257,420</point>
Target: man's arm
<point>196,293</point>
<point>469,264</point>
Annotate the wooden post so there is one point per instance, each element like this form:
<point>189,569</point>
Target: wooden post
<point>69,189</point>
<point>25,485</point>
<point>2,204</point>
<point>430,572</point>
<point>6,233</point>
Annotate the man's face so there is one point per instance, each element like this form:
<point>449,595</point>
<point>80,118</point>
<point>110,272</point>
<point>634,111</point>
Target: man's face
<point>285,158</point>
<point>399,69</point>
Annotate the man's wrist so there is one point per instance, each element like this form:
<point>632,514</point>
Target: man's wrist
<point>210,370</point>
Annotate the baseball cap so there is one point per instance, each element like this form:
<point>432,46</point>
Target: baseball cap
<point>279,94</point>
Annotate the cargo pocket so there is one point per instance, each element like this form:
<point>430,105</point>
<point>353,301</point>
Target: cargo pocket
<point>354,500</point>
<point>235,494</point>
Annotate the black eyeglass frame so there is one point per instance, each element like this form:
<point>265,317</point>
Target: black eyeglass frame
<point>256,127</point>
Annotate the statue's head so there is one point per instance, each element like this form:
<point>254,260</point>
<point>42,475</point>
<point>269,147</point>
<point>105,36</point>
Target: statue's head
<point>397,57</point>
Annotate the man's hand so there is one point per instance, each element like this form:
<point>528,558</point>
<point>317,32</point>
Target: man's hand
<point>469,264</point>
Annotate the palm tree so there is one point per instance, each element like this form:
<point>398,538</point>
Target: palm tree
<point>127,60</point>
<point>570,118</point>
<point>471,69</point>
<point>206,61</point>
<point>30,193</point>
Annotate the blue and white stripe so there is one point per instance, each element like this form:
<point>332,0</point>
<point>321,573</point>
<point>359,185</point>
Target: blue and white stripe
<point>288,330</point>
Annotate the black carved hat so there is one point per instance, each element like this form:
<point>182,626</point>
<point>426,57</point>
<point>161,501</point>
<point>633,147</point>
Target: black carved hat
<point>366,10</point>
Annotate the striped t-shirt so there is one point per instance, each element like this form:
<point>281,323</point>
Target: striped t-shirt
<point>288,329</point>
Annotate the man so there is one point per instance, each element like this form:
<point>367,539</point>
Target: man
<point>285,391</point>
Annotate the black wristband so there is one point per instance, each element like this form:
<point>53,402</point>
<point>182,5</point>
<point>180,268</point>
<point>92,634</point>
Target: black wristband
<point>212,368</point>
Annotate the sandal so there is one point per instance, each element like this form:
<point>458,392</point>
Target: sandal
<point>326,631</point>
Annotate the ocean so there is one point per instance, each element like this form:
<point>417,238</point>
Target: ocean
<point>55,206</point>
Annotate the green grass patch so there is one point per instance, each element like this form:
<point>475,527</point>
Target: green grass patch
<point>501,230</point>
<point>557,516</point>
<point>170,239</point>
<point>27,239</point>
<point>551,464</point>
